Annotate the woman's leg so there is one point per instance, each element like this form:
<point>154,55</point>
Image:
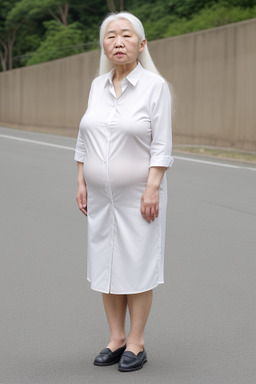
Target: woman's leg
<point>115,308</point>
<point>139,307</point>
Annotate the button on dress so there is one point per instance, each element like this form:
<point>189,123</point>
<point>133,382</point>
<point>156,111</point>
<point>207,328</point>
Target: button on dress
<point>118,140</point>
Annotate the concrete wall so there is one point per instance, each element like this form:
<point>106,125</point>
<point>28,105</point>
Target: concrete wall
<point>213,73</point>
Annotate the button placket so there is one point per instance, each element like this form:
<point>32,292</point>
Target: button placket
<point>112,214</point>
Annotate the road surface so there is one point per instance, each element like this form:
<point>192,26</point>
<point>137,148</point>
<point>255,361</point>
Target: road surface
<point>202,327</point>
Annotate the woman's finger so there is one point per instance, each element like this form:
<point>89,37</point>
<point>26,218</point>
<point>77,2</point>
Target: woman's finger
<point>152,213</point>
<point>84,210</point>
<point>142,209</point>
<point>147,214</point>
<point>82,203</point>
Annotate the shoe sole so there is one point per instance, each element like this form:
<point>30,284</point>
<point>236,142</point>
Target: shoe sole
<point>134,368</point>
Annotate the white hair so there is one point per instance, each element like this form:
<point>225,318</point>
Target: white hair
<point>144,57</point>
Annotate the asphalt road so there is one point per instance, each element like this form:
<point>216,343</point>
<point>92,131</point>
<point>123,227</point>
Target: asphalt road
<point>202,327</point>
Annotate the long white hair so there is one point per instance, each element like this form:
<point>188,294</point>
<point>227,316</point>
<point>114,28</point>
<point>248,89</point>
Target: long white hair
<point>144,57</point>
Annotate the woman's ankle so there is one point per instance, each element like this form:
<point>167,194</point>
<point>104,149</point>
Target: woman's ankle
<point>135,347</point>
<point>116,343</point>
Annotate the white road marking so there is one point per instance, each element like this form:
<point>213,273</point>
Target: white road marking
<point>175,157</point>
<point>37,142</point>
<point>214,163</point>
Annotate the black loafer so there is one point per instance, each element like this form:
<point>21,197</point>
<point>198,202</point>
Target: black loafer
<point>107,357</point>
<point>131,362</point>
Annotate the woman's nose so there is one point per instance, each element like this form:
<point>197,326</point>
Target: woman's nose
<point>119,42</point>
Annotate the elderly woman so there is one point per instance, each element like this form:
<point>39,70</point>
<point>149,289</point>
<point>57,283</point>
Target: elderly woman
<point>123,150</point>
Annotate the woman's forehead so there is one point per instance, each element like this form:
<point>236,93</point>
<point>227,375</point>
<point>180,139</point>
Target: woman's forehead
<point>119,25</point>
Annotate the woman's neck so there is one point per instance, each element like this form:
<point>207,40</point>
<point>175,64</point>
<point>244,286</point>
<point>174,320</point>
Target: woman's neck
<point>121,71</point>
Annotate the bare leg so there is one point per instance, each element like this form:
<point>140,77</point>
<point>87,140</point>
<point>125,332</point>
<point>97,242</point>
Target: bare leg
<point>139,308</point>
<point>115,308</point>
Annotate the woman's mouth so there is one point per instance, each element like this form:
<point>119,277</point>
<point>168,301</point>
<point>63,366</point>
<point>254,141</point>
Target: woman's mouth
<point>119,54</point>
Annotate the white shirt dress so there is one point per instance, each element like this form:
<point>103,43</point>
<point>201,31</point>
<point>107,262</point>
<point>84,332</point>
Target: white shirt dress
<point>118,140</point>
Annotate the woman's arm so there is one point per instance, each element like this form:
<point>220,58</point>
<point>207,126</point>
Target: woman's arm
<point>81,196</point>
<point>150,198</point>
<point>160,150</point>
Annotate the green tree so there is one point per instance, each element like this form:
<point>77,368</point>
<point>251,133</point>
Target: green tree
<point>59,42</point>
<point>33,16</point>
<point>26,35</point>
<point>219,14</point>
<point>173,17</point>
<point>38,9</point>
<point>8,32</point>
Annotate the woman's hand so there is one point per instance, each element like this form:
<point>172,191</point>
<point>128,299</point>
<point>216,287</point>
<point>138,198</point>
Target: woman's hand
<point>150,203</point>
<point>150,198</point>
<point>81,198</point>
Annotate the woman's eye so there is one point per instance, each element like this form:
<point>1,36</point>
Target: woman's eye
<point>111,37</point>
<point>127,36</point>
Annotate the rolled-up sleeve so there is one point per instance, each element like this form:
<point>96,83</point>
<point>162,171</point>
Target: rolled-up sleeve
<point>161,124</point>
<point>80,150</point>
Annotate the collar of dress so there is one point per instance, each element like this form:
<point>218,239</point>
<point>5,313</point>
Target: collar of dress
<point>132,77</point>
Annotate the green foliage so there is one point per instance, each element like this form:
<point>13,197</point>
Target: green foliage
<point>33,15</point>
<point>60,41</point>
<point>8,33</point>
<point>190,15</point>
<point>39,7</point>
<point>35,31</point>
<point>153,9</point>
<point>5,9</point>
<point>209,18</point>
<point>32,9</point>
<point>242,3</point>
<point>19,12</point>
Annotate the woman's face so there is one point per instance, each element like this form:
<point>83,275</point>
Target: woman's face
<point>121,44</point>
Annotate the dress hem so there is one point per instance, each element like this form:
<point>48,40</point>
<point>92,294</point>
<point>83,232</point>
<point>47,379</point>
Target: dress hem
<point>125,293</point>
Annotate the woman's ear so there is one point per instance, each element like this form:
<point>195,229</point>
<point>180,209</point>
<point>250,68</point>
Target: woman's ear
<point>142,45</point>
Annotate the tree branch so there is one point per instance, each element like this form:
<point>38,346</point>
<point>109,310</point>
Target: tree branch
<point>3,44</point>
<point>111,5</point>
<point>3,56</point>
<point>11,40</point>
<point>3,60</point>
<point>64,13</point>
<point>54,16</point>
